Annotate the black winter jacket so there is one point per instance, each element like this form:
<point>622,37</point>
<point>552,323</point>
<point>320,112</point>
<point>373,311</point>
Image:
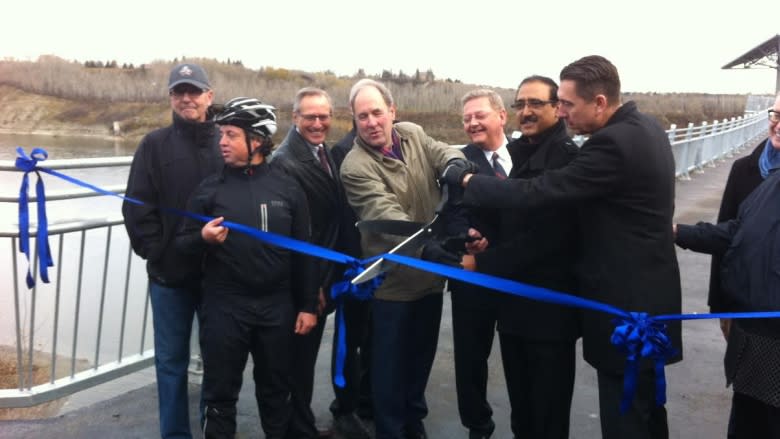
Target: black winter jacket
<point>622,182</point>
<point>750,246</point>
<point>324,194</point>
<point>743,178</point>
<point>167,166</point>
<point>266,199</point>
<point>540,248</point>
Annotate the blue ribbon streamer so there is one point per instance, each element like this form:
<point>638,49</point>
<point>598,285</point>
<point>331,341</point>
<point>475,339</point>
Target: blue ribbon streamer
<point>637,334</point>
<point>29,164</point>
<point>362,291</point>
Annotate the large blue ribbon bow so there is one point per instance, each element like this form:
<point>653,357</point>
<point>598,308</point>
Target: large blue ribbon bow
<point>27,165</point>
<point>638,336</point>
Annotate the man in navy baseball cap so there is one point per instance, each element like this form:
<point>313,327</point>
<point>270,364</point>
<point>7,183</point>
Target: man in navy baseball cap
<point>189,74</point>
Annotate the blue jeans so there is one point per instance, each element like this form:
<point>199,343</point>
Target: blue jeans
<point>173,310</point>
<point>405,335</point>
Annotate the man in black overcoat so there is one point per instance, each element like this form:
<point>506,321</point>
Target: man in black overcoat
<point>304,155</point>
<point>537,339</point>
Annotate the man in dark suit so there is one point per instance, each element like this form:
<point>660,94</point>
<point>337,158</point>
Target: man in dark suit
<point>304,155</point>
<point>475,309</point>
<point>355,397</point>
<point>622,182</point>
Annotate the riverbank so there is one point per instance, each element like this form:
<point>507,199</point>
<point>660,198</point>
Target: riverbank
<point>29,113</point>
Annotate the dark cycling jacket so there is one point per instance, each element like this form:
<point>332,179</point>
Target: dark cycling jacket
<point>264,198</point>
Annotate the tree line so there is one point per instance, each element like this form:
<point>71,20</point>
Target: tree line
<point>421,92</point>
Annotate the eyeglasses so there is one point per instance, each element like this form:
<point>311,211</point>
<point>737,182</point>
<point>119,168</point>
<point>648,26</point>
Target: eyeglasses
<point>314,117</point>
<point>180,90</point>
<point>774,116</point>
<point>534,104</point>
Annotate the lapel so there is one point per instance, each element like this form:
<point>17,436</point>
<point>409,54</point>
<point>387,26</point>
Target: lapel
<point>301,152</point>
<point>474,154</point>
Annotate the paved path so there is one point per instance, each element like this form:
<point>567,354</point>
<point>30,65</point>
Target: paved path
<point>698,401</point>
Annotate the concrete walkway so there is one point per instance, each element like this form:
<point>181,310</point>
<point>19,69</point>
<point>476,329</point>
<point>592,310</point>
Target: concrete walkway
<point>698,402</point>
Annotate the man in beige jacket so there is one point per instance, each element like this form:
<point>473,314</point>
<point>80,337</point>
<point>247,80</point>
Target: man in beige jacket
<point>391,173</point>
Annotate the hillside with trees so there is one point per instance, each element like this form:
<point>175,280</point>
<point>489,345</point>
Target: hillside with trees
<point>71,97</point>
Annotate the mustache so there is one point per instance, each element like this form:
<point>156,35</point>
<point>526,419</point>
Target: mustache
<point>530,118</point>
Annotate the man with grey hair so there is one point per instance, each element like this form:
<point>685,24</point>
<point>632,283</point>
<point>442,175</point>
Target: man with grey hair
<point>391,174</point>
<point>475,309</point>
<point>167,166</point>
<point>304,155</point>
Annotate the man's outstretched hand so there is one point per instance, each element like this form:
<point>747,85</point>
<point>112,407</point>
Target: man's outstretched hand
<point>456,169</point>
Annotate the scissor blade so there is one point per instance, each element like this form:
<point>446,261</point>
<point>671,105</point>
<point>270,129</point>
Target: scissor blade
<point>406,247</point>
<point>390,227</point>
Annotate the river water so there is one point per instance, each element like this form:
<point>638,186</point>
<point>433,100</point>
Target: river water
<point>83,267</point>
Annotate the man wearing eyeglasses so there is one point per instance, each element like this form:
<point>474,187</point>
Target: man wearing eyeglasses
<point>622,184</point>
<point>745,175</point>
<point>475,309</point>
<point>304,155</point>
<point>167,166</point>
<point>537,340</point>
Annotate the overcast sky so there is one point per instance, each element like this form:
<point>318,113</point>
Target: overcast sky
<point>657,46</point>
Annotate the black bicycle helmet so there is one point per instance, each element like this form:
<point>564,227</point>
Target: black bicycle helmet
<point>250,114</point>
<point>254,117</point>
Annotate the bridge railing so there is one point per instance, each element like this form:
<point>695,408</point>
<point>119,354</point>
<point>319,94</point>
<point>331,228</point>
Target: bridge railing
<point>91,323</point>
<point>696,147</point>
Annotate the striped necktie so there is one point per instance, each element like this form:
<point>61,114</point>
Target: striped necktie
<point>497,168</point>
<point>323,159</point>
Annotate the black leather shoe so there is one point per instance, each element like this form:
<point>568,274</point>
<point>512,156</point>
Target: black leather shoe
<point>482,433</point>
<point>418,433</point>
<point>350,426</point>
<point>324,433</point>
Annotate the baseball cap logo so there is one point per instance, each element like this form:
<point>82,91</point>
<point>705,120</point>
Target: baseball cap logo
<point>185,71</point>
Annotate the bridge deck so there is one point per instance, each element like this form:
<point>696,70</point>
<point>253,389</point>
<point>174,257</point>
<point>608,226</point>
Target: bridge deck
<point>697,398</point>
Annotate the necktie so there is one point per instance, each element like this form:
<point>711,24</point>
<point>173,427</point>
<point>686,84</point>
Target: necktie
<point>323,159</point>
<point>499,170</point>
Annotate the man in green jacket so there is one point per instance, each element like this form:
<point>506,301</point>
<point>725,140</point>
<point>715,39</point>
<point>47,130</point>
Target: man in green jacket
<point>391,173</point>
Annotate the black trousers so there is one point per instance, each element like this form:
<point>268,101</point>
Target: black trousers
<point>754,419</point>
<point>643,420</point>
<point>474,317</point>
<point>230,330</point>
<point>540,382</point>
<point>357,391</point>
<point>301,374</point>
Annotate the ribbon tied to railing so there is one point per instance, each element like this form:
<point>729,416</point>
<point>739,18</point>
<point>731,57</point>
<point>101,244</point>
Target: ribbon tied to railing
<point>29,164</point>
<point>638,336</point>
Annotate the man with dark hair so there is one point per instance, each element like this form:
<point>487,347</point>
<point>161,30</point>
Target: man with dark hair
<point>304,156</point>
<point>622,184</point>
<point>168,164</point>
<point>537,339</point>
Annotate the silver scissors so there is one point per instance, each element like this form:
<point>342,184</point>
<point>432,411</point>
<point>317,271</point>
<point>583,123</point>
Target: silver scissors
<point>420,235</point>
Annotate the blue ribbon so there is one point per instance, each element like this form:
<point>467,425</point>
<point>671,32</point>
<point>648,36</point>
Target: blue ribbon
<point>27,165</point>
<point>640,336</point>
<point>362,291</point>
<point>637,335</point>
